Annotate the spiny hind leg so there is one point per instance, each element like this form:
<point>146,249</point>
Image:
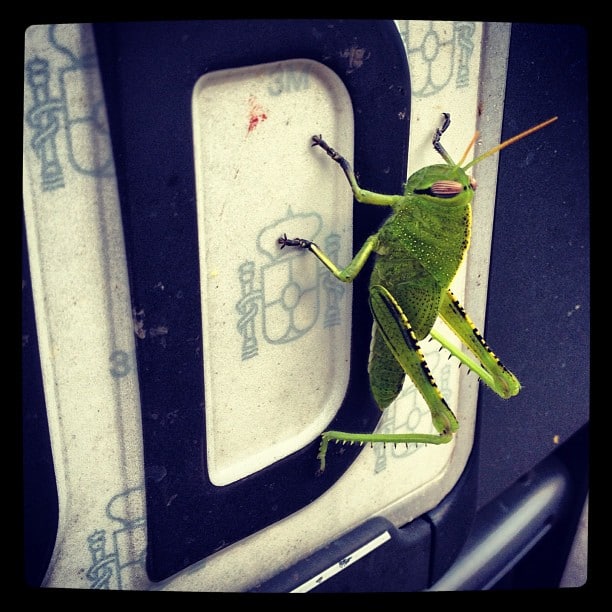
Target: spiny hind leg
<point>403,345</point>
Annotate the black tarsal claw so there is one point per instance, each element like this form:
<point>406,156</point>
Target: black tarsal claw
<point>293,242</point>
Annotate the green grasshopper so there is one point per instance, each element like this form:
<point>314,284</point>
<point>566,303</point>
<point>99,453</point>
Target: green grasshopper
<point>418,249</point>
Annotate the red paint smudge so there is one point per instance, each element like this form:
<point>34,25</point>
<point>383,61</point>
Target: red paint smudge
<point>256,114</point>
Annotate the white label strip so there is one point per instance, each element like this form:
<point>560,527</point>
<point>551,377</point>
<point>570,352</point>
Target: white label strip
<point>360,553</point>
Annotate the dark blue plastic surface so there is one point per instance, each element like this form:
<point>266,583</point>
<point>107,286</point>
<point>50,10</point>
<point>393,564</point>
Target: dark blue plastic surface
<point>538,311</point>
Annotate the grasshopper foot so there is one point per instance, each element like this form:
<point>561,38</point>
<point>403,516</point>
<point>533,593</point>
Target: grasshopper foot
<point>317,141</point>
<point>294,242</point>
<point>322,452</point>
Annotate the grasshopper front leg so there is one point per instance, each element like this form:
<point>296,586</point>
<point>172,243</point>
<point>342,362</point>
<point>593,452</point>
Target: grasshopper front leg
<point>361,195</point>
<point>346,275</point>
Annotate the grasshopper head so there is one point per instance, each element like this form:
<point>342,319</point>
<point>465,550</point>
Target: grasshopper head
<point>441,181</point>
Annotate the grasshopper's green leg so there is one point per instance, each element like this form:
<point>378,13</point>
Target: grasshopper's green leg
<point>489,368</point>
<point>346,275</point>
<point>402,343</point>
<point>361,195</point>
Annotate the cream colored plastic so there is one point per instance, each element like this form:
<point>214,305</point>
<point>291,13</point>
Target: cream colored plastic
<point>276,332</point>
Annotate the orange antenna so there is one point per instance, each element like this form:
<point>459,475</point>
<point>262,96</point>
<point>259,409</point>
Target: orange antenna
<point>510,141</point>
<point>470,145</point>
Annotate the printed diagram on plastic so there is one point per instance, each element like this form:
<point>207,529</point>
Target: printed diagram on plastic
<point>283,315</point>
<point>444,49</point>
<point>122,549</point>
<point>60,104</point>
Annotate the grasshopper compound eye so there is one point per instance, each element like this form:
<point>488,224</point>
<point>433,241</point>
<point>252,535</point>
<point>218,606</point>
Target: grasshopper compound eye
<point>446,189</point>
